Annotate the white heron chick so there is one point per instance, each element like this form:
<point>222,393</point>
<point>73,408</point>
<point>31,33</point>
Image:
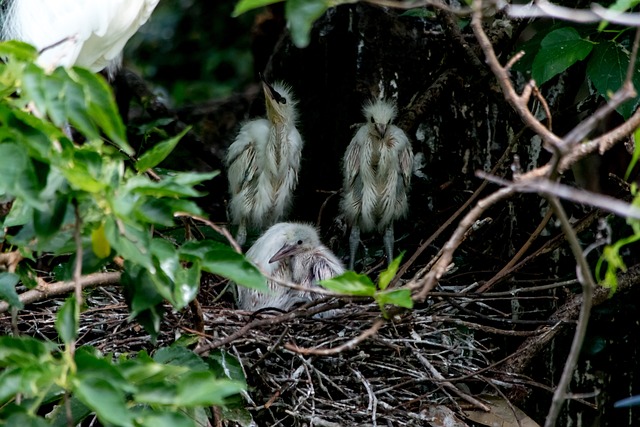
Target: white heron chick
<point>263,163</point>
<point>86,33</point>
<point>292,252</point>
<point>377,170</point>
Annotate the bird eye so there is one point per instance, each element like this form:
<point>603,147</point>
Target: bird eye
<point>282,100</point>
<point>299,242</point>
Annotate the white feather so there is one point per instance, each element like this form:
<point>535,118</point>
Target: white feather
<point>263,164</point>
<point>376,173</point>
<point>90,33</point>
<point>311,262</point>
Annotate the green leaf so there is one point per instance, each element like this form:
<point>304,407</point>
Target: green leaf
<point>79,411</point>
<point>220,259</point>
<point>25,420</point>
<point>161,211</point>
<point>167,257</point>
<point>225,365</point>
<point>67,320</point>
<point>47,222</point>
<point>387,275</point>
<point>202,388</point>
<point>166,419</point>
<point>350,283</point>
<point>143,298</point>
<point>636,154</point>
<point>91,364</point>
<point>132,243</point>
<point>607,70</point>
<point>246,5</point>
<point>180,356</point>
<point>301,14</point>
<point>23,351</point>
<point>108,402</point>
<point>419,12</point>
<point>178,185</point>
<point>149,372</point>
<point>559,50</point>
<point>13,162</point>
<point>30,380</point>
<point>8,282</point>
<point>399,297</point>
<point>18,50</point>
<point>102,108</point>
<point>159,152</point>
<point>187,284</point>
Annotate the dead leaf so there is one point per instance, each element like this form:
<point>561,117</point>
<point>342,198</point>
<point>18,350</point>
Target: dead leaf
<point>501,414</point>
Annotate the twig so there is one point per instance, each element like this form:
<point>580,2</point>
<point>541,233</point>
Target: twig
<point>344,347</point>
<point>10,260</point>
<point>576,195</point>
<point>588,287</point>
<point>403,269</point>
<point>505,270</point>
<point>544,9</point>
<point>450,385</point>
<point>429,282</point>
<point>504,79</point>
<point>46,290</point>
<point>221,230</point>
<point>77,268</point>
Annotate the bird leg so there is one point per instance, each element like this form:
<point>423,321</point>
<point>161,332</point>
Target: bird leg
<point>354,241</point>
<point>388,243</point>
<point>241,236</point>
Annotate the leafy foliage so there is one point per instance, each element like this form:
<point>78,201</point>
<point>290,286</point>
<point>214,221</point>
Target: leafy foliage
<point>611,260</point>
<point>360,285</point>
<point>124,391</point>
<point>554,50</point>
<point>94,189</point>
<point>300,14</point>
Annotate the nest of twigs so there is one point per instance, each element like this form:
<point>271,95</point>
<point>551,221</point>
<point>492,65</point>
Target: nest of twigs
<point>354,368</point>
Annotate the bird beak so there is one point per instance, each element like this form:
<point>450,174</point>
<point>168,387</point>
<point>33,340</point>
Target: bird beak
<point>381,129</point>
<point>273,100</point>
<point>284,252</point>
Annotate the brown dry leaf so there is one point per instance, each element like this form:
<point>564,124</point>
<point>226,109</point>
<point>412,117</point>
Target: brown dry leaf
<point>501,414</point>
<point>443,416</point>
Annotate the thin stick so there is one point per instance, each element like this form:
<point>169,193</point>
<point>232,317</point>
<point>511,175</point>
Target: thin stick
<point>505,270</point>
<point>588,286</point>
<point>430,280</point>
<point>344,347</point>
<point>46,290</point>
<point>221,230</point>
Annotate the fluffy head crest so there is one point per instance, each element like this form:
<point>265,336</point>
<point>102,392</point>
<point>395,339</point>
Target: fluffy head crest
<point>293,232</point>
<point>379,111</point>
<point>283,103</point>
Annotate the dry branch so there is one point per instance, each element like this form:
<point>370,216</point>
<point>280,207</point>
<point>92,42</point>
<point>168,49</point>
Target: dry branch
<point>47,290</point>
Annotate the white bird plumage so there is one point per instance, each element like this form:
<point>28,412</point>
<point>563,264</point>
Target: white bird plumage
<point>291,252</point>
<point>87,33</point>
<point>377,168</point>
<point>263,163</point>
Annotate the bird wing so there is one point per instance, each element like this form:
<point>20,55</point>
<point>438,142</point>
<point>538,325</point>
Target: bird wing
<point>352,186</point>
<point>324,265</point>
<point>89,33</point>
<point>405,157</point>
<point>241,156</point>
<point>119,22</point>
